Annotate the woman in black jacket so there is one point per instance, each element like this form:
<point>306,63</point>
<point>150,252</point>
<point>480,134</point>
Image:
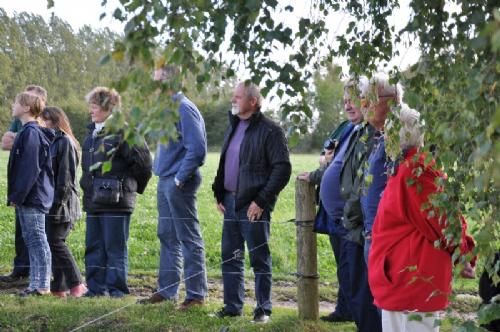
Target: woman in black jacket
<point>65,208</point>
<point>109,195</point>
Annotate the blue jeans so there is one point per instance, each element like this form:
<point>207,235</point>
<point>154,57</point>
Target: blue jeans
<point>236,231</point>
<point>22,259</point>
<point>32,222</point>
<point>181,244</point>
<point>106,253</point>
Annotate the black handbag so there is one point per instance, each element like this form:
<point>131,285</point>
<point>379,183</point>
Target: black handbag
<point>106,191</point>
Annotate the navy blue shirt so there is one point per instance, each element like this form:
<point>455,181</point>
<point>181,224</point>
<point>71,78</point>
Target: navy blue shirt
<point>374,182</point>
<point>330,183</point>
<point>30,176</point>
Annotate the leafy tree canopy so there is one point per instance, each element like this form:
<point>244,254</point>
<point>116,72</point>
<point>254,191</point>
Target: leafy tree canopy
<point>454,85</point>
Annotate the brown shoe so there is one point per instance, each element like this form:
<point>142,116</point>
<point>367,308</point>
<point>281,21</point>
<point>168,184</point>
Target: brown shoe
<point>153,299</point>
<point>187,304</point>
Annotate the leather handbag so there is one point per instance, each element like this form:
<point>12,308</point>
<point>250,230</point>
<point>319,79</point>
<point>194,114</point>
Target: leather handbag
<point>106,191</point>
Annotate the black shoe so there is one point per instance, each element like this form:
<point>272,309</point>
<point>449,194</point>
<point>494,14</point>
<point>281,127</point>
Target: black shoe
<point>14,277</point>
<point>222,313</point>
<point>30,292</point>
<point>90,293</point>
<point>335,318</point>
<point>261,318</point>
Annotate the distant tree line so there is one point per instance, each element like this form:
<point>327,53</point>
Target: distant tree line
<point>53,55</point>
<point>67,63</point>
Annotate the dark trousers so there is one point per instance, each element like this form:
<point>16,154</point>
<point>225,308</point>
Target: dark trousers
<point>236,231</point>
<point>342,309</point>
<point>65,272</point>
<point>22,259</point>
<point>106,253</point>
<point>366,316</point>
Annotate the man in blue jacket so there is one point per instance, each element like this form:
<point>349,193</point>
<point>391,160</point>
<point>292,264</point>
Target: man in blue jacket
<point>254,167</point>
<point>177,165</point>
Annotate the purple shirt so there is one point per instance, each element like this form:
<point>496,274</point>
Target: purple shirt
<point>232,162</point>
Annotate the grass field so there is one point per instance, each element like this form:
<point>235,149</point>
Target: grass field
<point>51,314</point>
<point>144,245</point>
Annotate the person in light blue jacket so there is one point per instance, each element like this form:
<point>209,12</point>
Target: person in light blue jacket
<point>177,165</point>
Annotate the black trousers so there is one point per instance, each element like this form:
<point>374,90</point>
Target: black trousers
<point>65,272</point>
<point>22,259</point>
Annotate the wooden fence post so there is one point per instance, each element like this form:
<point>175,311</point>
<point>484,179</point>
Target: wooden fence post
<point>307,262</point>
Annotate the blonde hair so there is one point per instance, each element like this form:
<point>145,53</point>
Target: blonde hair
<point>31,100</point>
<point>411,133</point>
<point>107,99</point>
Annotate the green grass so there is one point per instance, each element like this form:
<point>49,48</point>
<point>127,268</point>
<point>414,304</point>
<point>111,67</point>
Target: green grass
<point>49,314</point>
<point>52,314</point>
<point>144,244</point>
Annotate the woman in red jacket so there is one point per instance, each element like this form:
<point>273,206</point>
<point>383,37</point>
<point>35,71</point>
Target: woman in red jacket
<point>408,274</point>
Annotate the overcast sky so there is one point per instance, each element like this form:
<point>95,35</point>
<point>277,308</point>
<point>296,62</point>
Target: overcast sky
<point>76,12</point>
<point>80,12</point>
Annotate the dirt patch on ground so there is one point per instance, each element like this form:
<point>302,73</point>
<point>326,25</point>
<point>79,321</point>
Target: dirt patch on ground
<point>284,294</point>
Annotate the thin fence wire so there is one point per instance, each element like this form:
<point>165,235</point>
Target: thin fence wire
<point>236,255</point>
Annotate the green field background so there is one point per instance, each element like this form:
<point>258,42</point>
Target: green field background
<point>144,244</point>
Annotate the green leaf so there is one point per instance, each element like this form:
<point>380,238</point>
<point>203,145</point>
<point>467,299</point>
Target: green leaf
<point>415,317</point>
<point>104,59</point>
<point>106,166</point>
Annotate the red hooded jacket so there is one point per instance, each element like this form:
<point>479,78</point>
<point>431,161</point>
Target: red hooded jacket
<point>405,270</point>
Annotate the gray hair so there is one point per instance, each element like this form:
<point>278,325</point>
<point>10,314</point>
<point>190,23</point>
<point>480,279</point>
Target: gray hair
<point>379,84</point>
<point>252,90</point>
<point>411,133</point>
<point>352,84</point>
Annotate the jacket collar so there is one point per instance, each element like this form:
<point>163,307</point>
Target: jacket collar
<point>234,119</point>
<point>47,134</point>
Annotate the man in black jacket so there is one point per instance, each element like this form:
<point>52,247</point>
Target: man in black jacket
<point>254,167</point>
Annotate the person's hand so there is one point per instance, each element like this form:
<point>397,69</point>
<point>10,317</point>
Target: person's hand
<point>254,212</point>
<point>8,140</point>
<point>221,208</point>
<point>322,160</point>
<point>304,176</point>
<point>468,272</point>
<point>329,156</point>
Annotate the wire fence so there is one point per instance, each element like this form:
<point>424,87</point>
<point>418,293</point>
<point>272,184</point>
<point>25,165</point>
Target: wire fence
<point>236,255</point>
